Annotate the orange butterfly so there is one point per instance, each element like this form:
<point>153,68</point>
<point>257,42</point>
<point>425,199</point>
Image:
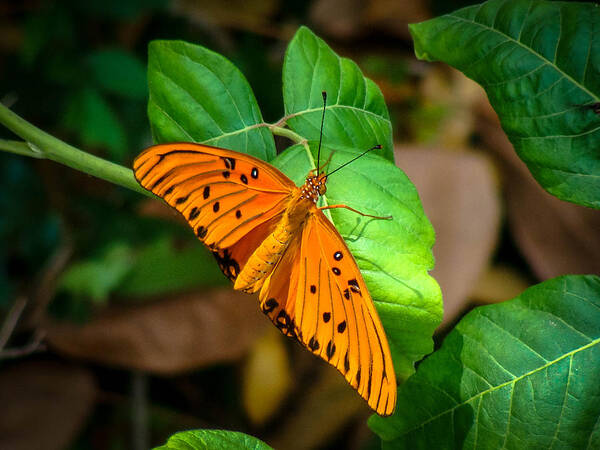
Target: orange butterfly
<point>269,236</point>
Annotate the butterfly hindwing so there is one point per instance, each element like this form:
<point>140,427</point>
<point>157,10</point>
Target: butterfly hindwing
<point>230,199</point>
<point>317,295</point>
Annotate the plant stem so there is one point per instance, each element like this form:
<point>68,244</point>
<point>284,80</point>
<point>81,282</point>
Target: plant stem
<point>20,148</point>
<point>286,132</point>
<point>42,145</point>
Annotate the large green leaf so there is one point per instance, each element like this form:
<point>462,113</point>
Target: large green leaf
<point>520,374</point>
<point>197,95</point>
<point>213,440</point>
<point>357,116</point>
<point>393,255</point>
<point>539,63</point>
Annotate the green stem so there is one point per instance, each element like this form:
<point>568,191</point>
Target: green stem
<point>286,132</point>
<point>20,148</point>
<point>42,145</point>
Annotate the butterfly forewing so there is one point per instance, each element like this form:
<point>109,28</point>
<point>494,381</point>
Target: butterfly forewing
<point>223,194</point>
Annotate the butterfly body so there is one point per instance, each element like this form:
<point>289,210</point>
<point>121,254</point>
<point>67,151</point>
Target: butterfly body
<point>269,236</point>
<point>301,205</point>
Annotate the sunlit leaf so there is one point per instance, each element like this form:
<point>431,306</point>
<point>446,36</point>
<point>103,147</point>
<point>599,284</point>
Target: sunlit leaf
<point>197,95</point>
<point>212,440</point>
<point>356,117</point>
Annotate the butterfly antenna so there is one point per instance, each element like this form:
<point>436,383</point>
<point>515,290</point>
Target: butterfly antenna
<point>354,159</point>
<point>321,133</point>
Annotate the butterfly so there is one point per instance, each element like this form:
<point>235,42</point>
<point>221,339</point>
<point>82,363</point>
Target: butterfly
<point>269,236</point>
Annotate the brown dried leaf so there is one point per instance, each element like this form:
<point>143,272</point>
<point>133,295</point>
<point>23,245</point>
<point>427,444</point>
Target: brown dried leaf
<point>348,19</point>
<point>166,337</point>
<point>555,237</point>
<point>340,19</point>
<point>44,405</point>
<point>394,16</point>
<point>460,197</point>
<point>252,16</point>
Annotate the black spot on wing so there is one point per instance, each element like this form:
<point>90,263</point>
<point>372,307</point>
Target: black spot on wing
<point>206,192</point>
<point>270,305</point>
<point>341,326</point>
<point>244,179</point>
<point>254,172</point>
<point>313,344</point>
<point>227,264</point>
<point>201,231</point>
<point>326,317</point>
<point>330,351</point>
<point>229,163</point>
<point>285,324</point>
<point>195,212</point>
<point>354,286</point>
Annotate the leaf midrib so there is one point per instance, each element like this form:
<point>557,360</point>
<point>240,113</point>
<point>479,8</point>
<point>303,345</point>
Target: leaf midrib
<point>494,388</point>
<point>530,50</point>
<point>336,106</point>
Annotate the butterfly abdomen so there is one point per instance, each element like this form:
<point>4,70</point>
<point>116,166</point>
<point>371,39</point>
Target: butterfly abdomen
<point>264,259</point>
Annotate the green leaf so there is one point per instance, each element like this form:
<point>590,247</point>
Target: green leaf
<point>91,117</point>
<point>197,95</point>
<point>539,63</point>
<point>119,72</point>
<point>519,374</point>
<point>97,278</point>
<point>393,255</point>
<point>161,268</point>
<point>356,117</point>
<point>212,440</point>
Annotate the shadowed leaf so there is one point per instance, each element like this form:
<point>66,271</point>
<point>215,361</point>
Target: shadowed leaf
<point>539,63</point>
<point>520,374</point>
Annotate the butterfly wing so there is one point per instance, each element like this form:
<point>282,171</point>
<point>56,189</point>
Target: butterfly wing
<point>230,199</point>
<point>317,295</point>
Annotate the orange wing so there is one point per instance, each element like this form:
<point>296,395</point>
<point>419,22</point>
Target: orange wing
<point>317,295</point>
<point>230,199</point>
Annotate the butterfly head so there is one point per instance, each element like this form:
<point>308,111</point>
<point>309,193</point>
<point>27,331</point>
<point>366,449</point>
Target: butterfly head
<point>314,186</point>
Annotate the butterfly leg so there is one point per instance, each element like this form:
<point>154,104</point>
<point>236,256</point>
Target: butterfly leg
<point>356,211</point>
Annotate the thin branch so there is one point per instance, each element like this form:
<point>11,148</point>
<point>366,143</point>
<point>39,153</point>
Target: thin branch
<point>35,345</point>
<point>11,320</point>
<point>20,148</point>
